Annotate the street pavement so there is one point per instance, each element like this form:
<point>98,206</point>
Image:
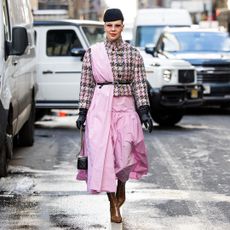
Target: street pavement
<point>187,187</point>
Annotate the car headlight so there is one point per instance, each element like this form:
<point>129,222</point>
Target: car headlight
<point>167,75</point>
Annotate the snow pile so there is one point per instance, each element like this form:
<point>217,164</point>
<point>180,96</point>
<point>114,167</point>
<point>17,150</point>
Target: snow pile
<point>19,186</point>
<point>24,186</point>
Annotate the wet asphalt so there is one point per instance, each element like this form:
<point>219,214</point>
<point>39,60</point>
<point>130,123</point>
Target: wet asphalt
<point>187,187</point>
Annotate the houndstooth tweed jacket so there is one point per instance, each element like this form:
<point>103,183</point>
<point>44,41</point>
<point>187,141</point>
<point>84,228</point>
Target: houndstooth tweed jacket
<point>127,65</point>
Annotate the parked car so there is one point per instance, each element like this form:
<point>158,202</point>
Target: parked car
<point>172,87</point>
<point>60,46</point>
<point>17,78</point>
<point>206,49</point>
<point>172,84</point>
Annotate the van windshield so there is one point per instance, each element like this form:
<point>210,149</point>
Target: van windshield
<point>94,33</point>
<point>147,35</point>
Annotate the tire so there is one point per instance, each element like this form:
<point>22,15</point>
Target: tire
<point>26,134</point>
<point>3,160</point>
<point>165,118</point>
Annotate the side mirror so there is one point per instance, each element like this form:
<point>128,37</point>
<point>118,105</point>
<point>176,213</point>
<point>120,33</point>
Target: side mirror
<point>149,49</point>
<point>19,41</point>
<point>77,52</point>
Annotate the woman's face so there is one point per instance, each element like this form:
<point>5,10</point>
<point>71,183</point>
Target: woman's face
<point>113,30</point>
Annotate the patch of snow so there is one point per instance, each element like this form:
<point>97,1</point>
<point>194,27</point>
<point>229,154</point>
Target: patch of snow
<point>19,186</point>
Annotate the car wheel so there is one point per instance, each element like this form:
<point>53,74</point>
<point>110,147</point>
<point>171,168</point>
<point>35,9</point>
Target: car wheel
<point>26,134</point>
<point>165,118</point>
<point>3,160</point>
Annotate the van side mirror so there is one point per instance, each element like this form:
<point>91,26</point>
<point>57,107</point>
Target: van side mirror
<point>77,52</point>
<point>19,41</point>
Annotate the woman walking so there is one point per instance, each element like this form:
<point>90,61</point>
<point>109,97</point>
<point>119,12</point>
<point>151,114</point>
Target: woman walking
<point>113,104</point>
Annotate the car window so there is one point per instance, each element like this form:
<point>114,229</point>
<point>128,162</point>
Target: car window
<point>147,35</point>
<point>94,34</point>
<point>60,42</point>
<point>203,41</point>
<point>170,43</point>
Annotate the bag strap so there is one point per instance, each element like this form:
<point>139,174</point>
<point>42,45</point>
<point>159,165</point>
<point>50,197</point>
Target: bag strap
<point>81,134</point>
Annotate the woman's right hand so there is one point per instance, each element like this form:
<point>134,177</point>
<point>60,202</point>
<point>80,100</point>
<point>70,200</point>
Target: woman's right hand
<point>81,118</point>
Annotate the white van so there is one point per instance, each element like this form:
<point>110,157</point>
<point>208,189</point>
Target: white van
<point>17,78</point>
<point>150,22</point>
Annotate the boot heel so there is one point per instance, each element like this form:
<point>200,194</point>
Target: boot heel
<point>114,209</point>
<point>115,215</point>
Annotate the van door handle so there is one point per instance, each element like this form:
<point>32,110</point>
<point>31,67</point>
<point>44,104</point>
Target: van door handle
<point>47,72</point>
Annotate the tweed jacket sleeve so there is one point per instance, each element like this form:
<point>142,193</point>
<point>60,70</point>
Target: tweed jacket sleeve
<point>87,84</point>
<point>139,84</point>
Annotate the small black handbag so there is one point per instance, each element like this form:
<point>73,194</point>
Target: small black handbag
<point>82,161</point>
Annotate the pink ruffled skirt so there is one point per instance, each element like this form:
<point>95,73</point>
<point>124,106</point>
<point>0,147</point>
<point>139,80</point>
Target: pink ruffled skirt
<point>125,156</point>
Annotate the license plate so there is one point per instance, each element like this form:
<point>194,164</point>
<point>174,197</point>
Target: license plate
<point>194,93</point>
<point>207,89</point>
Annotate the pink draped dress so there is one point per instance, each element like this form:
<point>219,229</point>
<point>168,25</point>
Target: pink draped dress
<point>113,140</point>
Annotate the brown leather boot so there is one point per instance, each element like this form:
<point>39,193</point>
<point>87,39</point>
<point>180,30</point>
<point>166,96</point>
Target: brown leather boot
<point>120,194</point>
<point>114,209</point>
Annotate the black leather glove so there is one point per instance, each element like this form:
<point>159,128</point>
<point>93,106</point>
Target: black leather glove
<point>143,112</point>
<point>81,118</point>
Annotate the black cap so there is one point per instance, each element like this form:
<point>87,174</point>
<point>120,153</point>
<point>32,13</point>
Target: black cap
<point>113,14</point>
